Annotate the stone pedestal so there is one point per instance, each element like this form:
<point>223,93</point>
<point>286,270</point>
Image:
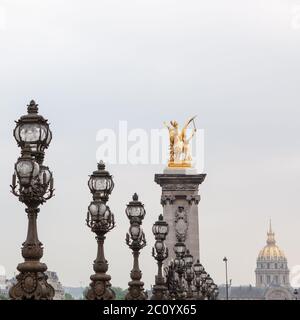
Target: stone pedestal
<point>180,199</point>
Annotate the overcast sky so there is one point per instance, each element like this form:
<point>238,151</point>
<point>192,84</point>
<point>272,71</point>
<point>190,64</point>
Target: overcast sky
<point>90,64</point>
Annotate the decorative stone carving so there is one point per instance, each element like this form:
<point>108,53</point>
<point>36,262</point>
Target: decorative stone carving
<point>167,199</point>
<point>183,187</point>
<point>32,285</point>
<point>181,224</point>
<point>193,199</point>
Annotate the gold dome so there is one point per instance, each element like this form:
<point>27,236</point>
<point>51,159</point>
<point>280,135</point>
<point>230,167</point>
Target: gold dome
<point>271,251</point>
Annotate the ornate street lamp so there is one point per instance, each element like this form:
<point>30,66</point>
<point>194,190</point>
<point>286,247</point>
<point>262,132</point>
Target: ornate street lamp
<point>160,230</point>
<point>198,269</point>
<point>296,292</point>
<point>213,292</point>
<point>32,183</point>
<point>135,239</point>
<point>203,288</point>
<point>171,281</point>
<point>33,130</point>
<point>101,220</point>
<point>179,263</point>
<point>211,289</point>
<point>189,273</point>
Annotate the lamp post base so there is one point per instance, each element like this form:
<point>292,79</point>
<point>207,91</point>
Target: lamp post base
<point>136,291</point>
<point>31,283</point>
<point>100,288</point>
<point>159,292</point>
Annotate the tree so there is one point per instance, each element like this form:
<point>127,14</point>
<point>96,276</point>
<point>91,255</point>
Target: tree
<point>3,297</point>
<point>120,293</point>
<point>68,296</point>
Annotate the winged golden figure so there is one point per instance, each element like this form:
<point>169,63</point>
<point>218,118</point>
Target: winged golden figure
<point>180,151</point>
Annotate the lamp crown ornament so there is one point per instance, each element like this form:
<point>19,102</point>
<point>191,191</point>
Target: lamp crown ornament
<point>32,107</point>
<point>135,197</point>
<point>101,165</point>
<point>101,183</point>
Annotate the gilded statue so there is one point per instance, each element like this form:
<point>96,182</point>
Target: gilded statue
<point>180,150</point>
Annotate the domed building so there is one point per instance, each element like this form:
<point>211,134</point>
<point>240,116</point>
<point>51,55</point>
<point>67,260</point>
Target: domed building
<point>271,265</point>
<point>272,277</point>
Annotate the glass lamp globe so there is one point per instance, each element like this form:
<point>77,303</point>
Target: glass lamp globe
<point>188,258</point>
<point>159,246</point>
<point>135,232</point>
<point>45,175</point>
<point>209,280</point>
<point>135,209</point>
<point>160,229</point>
<point>198,268</point>
<point>101,183</point>
<point>204,276</point>
<point>33,130</point>
<point>179,263</point>
<point>97,210</point>
<point>213,286</point>
<point>180,248</point>
<point>26,168</point>
<point>189,271</point>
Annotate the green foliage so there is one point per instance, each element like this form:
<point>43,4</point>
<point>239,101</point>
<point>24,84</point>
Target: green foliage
<point>3,297</point>
<point>84,293</point>
<point>68,296</point>
<point>120,293</point>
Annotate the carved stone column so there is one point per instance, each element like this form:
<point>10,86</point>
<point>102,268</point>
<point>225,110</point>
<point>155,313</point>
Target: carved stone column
<point>180,201</point>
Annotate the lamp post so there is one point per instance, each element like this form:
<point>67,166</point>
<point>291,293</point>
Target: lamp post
<point>226,276</point>
<point>296,292</point>
<point>179,264</point>
<point>32,183</point>
<point>203,288</point>
<point>160,230</point>
<point>171,281</point>
<point>189,273</point>
<point>135,239</point>
<point>198,269</point>
<point>101,220</point>
<point>213,292</point>
<point>210,287</point>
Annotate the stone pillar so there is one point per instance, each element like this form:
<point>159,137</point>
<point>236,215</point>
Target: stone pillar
<point>180,201</point>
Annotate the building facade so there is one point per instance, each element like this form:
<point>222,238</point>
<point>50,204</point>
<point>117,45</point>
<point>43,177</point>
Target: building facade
<point>55,283</point>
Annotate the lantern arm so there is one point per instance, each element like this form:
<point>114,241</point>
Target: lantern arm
<point>88,220</point>
<point>50,194</point>
<point>136,244</point>
<point>49,190</point>
<point>14,186</point>
<point>102,227</point>
<point>143,241</point>
<point>160,256</point>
